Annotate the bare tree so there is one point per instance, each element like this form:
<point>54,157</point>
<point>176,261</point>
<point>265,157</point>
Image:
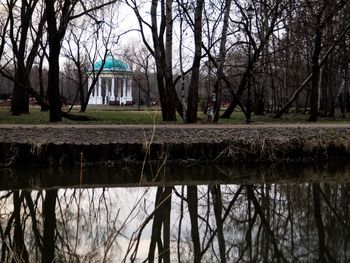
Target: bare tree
<point>25,35</point>
<point>214,112</point>
<point>258,45</point>
<point>87,41</point>
<point>192,199</point>
<point>141,61</point>
<point>161,28</point>
<point>323,14</point>
<point>192,99</point>
<point>58,16</point>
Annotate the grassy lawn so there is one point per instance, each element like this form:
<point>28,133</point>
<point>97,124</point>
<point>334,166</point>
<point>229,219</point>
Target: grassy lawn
<point>131,115</point>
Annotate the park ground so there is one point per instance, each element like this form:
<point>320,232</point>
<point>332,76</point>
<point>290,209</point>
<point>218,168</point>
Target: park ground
<point>120,134</point>
<point>63,144</point>
<point>114,115</point>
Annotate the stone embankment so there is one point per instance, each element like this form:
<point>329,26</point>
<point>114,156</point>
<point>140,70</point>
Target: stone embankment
<point>64,145</point>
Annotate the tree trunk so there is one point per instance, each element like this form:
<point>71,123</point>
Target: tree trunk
<point>315,74</point>
<point>168,67</point>
<point>19,101</point>
<point>338,100</point>
<point>168,110</point>
<point>192,198</point>
<point>81,88</point>
<point>165,87</point>
<point>322,248</point>
<point>148,91</point>
<point>162,53</point>
<point>19,246</point>
<point>166,212</point>
<point>214,113</point>
<point>157,225</point>
<point>347,100</point>
<point>324,107</point>
<point>41,83</point>
<point>20,97</point>
<point>192,99</point>
<point>217,203</point>
<point>53,87</point>
<point>161,217</point>
<point>49,205</point>
<point>342,107</point>
<point>54,40</point>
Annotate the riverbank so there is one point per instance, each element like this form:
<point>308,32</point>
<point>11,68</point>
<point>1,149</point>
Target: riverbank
<point>66,145</point>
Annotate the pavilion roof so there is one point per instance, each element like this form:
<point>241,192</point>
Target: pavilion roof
<point>111,64</point>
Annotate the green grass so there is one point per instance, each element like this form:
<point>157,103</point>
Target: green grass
<point>131,115</point>
<point>286,118</point>
<point>104,115</point>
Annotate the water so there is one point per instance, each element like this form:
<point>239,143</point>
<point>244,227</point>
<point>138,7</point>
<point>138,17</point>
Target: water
<point>291,213</point>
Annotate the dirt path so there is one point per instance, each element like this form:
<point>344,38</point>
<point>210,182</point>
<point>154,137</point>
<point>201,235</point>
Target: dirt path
<point>104,134</point>
<point>177,126</point>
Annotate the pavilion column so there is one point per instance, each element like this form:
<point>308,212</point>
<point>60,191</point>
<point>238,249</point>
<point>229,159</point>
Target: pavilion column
<point>118,91</point>
<point>112,90</point>
<point>124,87</point>
<point>124,90</point>
<point>106,91</point>
<point>118,88</point>
<point>130,87</point>
<point>99,93</point>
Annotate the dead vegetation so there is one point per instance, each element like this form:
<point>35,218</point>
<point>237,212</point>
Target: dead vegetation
<point>138,144</point>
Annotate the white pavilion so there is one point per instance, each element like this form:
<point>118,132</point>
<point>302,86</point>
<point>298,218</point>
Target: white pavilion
<point>114,85</point>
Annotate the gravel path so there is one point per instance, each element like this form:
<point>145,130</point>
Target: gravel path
<point>103,134</point>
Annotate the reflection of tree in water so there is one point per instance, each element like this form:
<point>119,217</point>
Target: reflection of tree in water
<point>66,225</point>
<point>253,223</point>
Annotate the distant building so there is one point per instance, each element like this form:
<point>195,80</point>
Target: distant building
<point>114,85</point>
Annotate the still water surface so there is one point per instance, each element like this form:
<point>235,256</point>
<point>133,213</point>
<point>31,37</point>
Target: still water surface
<point>293,213</point>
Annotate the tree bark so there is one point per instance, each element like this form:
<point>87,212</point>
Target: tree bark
<point>19,246</point>
<point>20,97</point>
<point>315,73</point>
<point>165,87</point>
<point>168,62</point>
<point>156,226</point>
<point>49,205</point>
<point>55,36</point>
<point>41,83</point>
<point>216,97</point>
<point>192,198</point>
<point>161,218</point>
<point>217,203</point>
<point>192,99</point>
<point>53,87</point>
<point>319,224</point>
<point>56,33</point>
<point>166,212</point>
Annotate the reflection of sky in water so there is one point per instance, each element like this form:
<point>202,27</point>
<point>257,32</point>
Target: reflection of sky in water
<point>119,209</point>
<point>109,217</point>
<point>284,221</point>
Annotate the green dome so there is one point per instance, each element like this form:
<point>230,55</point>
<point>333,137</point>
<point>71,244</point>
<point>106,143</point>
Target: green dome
<point>112,64</point>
